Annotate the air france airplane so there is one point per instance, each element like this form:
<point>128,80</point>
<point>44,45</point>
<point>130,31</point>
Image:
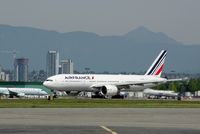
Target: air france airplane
<point>110,85</point>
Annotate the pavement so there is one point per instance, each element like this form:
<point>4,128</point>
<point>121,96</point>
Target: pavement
<point>100,120</point>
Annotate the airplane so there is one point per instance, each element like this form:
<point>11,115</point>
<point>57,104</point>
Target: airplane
<point>21,92</point>
<point>160,93</point>
<point>110,85</point>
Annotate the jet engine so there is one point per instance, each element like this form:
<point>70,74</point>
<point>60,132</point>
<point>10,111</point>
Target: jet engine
<point>109,90</point>
<point>21,94</point>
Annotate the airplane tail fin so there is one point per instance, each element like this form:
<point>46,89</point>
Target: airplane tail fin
<point>158,64</point>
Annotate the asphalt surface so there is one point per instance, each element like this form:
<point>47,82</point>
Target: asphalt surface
<point>99,120</point>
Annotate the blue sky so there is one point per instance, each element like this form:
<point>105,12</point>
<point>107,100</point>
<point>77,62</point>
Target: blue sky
<point>179,19</point>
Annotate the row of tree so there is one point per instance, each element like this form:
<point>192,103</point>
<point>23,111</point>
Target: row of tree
<point>191,85</point>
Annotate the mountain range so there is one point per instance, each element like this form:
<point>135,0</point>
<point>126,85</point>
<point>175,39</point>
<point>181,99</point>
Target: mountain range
<point>131,52</point>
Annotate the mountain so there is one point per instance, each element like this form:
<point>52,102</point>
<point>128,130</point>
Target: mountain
<point>143,35</point>
<point>132,52</point>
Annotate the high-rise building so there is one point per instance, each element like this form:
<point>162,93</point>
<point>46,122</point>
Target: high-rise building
<point>67,66</point>
<point>0,69</point>
<point>52,65</point>
<point>21,69</point>
<point>2,75</point>
<point>59,69</point>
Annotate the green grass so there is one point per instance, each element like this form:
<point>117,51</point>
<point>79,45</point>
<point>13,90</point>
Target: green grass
<point>96,103</point>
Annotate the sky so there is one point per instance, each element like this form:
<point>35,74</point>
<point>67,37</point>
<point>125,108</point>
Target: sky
<point>179,19</point>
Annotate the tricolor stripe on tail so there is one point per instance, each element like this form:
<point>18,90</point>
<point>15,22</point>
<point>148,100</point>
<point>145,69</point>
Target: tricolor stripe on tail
<point>158,64</point>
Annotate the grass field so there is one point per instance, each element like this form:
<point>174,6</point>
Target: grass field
<point>96,103</point>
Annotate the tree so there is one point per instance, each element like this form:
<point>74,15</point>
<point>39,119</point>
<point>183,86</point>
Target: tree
<point>191,85</point>
<point>194,85</point>
<point>173,86</point>
<point>162,87</point>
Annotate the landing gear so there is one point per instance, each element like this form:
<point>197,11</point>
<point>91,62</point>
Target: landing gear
<point>51,97</point>
<point>98,96</point>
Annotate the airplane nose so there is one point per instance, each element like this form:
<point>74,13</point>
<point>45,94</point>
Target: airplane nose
<point>45,83</point>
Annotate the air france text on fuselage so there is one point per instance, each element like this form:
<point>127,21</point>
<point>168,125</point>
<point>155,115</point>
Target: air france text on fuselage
<point>78,77</point>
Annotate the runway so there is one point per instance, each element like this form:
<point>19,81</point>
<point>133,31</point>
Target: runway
<point>93,120</point>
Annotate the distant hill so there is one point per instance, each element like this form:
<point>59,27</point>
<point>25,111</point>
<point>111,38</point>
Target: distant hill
<point>132,52</point>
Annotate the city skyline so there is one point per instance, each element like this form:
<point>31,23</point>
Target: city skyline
<point>21,72</point>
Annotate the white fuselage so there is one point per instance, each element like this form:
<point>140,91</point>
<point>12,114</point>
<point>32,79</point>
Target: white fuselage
<point>25,91</point>
<point>160,92</point>
<point>88,82</point>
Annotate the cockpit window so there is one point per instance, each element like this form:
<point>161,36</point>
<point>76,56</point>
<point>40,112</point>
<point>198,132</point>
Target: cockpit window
<point>49,80</point>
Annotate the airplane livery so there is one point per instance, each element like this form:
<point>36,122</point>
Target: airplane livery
<point>110,85</point>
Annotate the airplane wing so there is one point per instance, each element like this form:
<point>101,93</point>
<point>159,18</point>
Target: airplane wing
<point>180,79</point>
<point>126,84</point>
<point>137,83</point>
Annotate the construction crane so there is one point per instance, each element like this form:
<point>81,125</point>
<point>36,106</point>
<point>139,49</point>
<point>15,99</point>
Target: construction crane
<point>13,52</point>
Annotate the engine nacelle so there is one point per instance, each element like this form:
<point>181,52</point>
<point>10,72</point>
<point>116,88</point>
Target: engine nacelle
<point>109,90</point>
